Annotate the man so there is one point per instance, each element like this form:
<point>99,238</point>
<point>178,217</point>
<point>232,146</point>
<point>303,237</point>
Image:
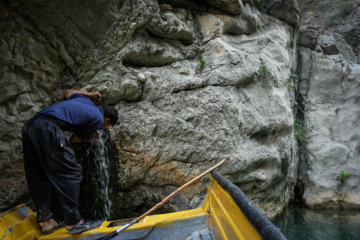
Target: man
<point>50,161</point>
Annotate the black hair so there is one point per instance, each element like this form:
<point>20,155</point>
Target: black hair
<point>112,113</point>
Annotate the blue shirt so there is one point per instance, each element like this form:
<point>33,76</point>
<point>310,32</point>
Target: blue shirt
<point>78,115</point>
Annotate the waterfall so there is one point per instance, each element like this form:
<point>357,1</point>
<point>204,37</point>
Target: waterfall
<point>101,176</point>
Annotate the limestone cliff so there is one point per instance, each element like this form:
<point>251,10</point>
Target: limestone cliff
<point>329,87</point>
<point>194,81</point>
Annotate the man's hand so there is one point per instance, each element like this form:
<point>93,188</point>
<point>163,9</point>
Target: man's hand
<point>75,139</point>
<point>96,96</point>
<point>95,135</point>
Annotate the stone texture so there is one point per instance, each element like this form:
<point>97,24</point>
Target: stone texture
<point>230,6</point>
<point>328,45</point>
<point>329,92</point>
<point>287,10</point>
<point>179,116</point>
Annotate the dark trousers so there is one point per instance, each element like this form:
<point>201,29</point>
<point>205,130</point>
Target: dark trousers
<point>50,162</point>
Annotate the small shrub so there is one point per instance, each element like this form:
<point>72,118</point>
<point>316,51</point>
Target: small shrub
<point>202,62</point>
<point>341,9</point>
<point>301,132</point>
<point>261,29</point>
<point>334,14</point>
<point>264,69</point>
<point>324,4</point>
<point>294,77</point>
<point>337,110</point>
<point>342,177</point>
<point>302,5</point>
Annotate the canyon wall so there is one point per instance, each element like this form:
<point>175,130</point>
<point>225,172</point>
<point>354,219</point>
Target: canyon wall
<point>194,82</point>
<point>329,87</point>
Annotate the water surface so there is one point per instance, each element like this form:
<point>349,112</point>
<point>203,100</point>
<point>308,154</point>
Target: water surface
<point>303,224</point>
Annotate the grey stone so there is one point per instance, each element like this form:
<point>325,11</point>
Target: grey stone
<point>179,113</point>
<point>309,39</point>
<point>328,44</point>
<point>287,10</point>
<point>230,6</point>
<point>330,86</point>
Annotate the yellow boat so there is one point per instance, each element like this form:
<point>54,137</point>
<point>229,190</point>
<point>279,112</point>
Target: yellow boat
<point>226,214</point>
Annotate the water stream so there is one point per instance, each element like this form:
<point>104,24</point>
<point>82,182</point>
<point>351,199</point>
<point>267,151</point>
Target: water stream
<point>100,176</point>
<point>304,224</point>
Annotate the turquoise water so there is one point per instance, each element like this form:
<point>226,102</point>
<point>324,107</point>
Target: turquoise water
<point>303,224</point>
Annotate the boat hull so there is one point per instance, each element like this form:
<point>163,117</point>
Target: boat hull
<point>226,214</point>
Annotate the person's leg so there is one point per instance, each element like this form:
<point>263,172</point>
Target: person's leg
<point>62,169</point>
<point>65,173</point>
<point>38,183</point>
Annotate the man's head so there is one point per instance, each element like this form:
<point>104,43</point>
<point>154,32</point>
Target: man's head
<point>110,116</point>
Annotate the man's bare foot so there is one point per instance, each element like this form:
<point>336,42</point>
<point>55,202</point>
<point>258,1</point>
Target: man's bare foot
<point>69,227</point>
<point>48,225</point>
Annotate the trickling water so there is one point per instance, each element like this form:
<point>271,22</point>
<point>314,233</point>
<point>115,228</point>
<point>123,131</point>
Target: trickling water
<point>101,176</point>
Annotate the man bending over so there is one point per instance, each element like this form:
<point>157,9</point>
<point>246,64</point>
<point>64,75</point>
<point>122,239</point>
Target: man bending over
<point>50,161</point>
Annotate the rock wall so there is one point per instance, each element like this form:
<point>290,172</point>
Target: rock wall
<point>329,86</point>
<point>194,82</point>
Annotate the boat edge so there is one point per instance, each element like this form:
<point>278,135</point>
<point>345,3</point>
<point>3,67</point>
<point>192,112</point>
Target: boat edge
<point>266,229</point>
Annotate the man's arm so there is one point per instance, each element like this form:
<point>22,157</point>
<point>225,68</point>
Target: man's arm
<point>96,96</point>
